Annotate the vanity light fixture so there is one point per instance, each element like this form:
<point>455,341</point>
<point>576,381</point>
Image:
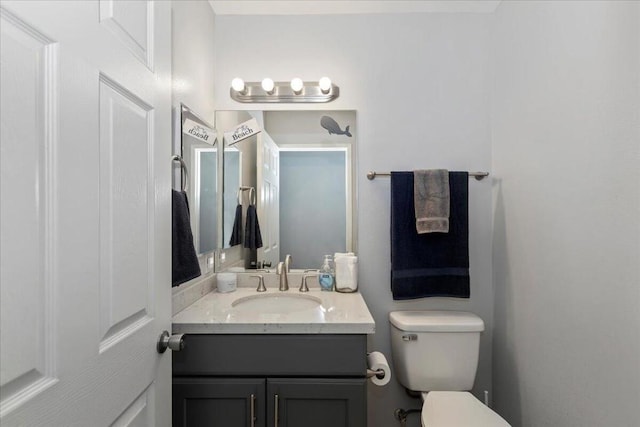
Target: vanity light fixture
<point>268,91</point>
<point>238,85</point>
<point>297,85</point>
<point>268,86</point>
<point>325,84</point>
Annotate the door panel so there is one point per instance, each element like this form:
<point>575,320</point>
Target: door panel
<point>132,22</point>
<point>28,98</point>
<point>85,214</point>
<point>126,200</point>
<point>141,412</point>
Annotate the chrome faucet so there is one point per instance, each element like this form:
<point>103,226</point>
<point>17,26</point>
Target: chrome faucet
<point>287,263</point>
<point>284,280</point>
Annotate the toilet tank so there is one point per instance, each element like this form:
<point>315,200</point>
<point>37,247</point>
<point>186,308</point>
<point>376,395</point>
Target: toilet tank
<point>435,350</point>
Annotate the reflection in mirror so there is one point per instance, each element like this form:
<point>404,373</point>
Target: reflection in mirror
<point>239,170</point>
<point>232,179</point>
<point>312,204</point>
<point>200,155</point>
<point>303,167</point>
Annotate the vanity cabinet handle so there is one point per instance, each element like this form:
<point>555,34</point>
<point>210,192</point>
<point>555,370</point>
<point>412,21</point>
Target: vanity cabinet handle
<point>253,410</point>
<point>276,412</point>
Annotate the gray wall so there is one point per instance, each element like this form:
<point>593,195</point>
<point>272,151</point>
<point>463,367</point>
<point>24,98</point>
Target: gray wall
<point>192,56</point>
<point>420,84</point>
<point>566,163</point>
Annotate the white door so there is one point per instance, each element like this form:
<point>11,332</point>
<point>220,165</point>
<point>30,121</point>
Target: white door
<point>268,183</point>
<point>85,213</point>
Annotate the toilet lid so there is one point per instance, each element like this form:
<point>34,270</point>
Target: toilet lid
<point>458,409</point>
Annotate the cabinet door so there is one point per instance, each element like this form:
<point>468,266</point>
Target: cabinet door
<point>316,402</point>
<point>218,402</point>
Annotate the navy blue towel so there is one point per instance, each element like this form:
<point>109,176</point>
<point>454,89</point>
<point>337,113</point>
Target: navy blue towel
<point>236,233</point>
<point>252,236</point>
<point>184,259</point>
<point>433,264</point>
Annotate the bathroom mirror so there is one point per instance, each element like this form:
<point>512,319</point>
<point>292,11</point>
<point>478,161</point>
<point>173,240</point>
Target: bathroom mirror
<point>302,167</point>
<point>200,155</point>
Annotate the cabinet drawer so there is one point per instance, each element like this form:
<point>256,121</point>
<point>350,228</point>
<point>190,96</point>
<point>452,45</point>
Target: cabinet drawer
<point>272,355</point>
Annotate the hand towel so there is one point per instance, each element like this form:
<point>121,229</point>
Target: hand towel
<point>236,233</point>
<point>184,260</point>
<point>431,264</point>
<point>431,200</point>
<point>252,236</point>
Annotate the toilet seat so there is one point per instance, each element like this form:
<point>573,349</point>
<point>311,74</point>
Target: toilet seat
<point>457,409</point>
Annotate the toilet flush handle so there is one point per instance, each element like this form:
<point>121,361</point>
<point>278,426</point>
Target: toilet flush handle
<point>410,337</point>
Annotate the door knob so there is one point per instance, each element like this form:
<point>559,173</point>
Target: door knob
<point>173,342</point>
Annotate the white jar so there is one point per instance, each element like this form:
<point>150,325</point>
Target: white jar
<point>346,272</point>
<point>226,282</point>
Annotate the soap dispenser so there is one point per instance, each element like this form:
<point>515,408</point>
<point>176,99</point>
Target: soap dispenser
<point>326,275</point>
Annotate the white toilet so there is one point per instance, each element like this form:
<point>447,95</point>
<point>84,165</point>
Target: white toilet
<point>436,353</point>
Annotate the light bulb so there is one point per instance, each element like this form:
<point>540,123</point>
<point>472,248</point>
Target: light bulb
<point>325,84</point>
<point>237,84</point>
<point>296,85</point>
<point>268,85</point>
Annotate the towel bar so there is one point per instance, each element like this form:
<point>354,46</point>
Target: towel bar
<point>183,170</point>
<point>371,175</point>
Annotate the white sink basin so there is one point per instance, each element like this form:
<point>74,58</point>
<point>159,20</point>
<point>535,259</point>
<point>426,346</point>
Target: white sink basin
<point>273,303</point>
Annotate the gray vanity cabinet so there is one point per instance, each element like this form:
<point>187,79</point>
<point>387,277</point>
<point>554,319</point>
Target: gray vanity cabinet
<point>284,380</point>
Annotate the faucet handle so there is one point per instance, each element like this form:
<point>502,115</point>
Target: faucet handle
<point>303,282</point>
<point>261,287</point>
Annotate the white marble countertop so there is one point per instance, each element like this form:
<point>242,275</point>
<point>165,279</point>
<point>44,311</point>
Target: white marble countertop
<point>331,313</point>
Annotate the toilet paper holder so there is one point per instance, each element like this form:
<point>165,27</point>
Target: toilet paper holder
<point>378,370</point>
<point>377,373</point>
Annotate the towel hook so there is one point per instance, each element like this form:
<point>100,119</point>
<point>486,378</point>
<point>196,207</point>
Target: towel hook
<point>184,173</point>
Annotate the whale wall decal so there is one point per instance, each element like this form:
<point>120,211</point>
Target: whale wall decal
<point>333,127</point>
